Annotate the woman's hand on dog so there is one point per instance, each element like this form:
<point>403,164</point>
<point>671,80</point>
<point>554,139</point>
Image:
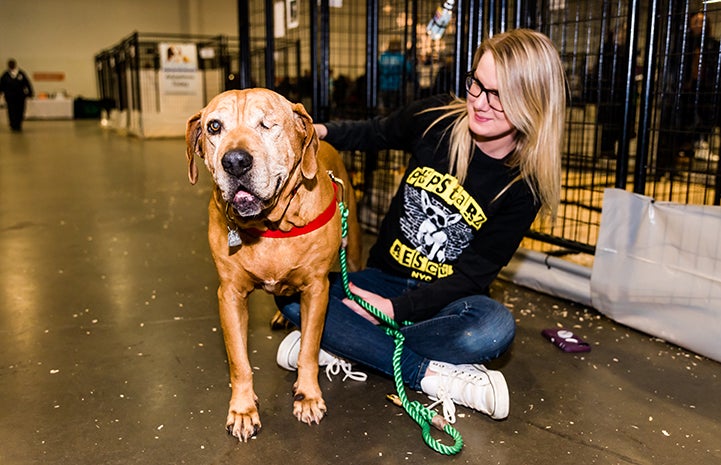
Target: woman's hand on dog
<point>381,303</point>
<point>320,130</point>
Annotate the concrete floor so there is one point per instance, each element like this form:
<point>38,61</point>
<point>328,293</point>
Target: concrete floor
<point>112,352</point>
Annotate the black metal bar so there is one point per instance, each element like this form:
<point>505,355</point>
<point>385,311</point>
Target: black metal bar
<point>405,73</point>
<point>646,101</point>
<point>298,66</point>
<point>561,242</point>
<point>244,43</point>
<point>519,20</point>
<point>224,61</point>
<point>371,55</point>
<point>411,9</point>
<point>491,18</point>
<point>458,45</point>
<point>324,84</point>
<point>135,73</point>
<point>629,107</point>
<point>270,45</point>
<point>475,32</point>
<point>314,65</point>
<point>503,16</point>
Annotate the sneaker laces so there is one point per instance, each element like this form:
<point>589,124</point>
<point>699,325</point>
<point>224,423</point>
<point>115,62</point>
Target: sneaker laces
<point>458,381</point>
<point>443,397</point>
<point>337,365</point>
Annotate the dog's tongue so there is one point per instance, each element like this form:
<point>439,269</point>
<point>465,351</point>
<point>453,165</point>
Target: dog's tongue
<point>245,203</point>
<point>242,197</point>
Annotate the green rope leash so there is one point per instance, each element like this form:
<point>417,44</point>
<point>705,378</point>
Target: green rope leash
<point>422,415</point>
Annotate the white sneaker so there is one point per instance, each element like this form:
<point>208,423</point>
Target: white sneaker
<point>472,386</point>
<point>289,349</point>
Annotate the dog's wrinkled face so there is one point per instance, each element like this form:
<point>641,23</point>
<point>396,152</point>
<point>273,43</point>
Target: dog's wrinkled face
<point>253,141</point>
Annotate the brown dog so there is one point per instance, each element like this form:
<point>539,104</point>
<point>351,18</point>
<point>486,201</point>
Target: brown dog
<point>274,224</point>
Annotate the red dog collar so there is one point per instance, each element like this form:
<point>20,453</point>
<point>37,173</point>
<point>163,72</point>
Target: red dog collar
<point>321,220</point>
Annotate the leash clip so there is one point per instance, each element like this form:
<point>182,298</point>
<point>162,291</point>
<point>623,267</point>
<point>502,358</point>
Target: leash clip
<point>340,183</point>
<point>343,210</point>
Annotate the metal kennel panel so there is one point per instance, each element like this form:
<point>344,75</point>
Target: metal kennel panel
<point>644,108</point>
<point>634,121</point>
<point>626,98</point>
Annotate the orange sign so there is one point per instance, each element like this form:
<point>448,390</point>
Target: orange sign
<point>48,76</point>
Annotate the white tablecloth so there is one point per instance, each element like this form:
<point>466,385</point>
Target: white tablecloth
<point>49,109</point>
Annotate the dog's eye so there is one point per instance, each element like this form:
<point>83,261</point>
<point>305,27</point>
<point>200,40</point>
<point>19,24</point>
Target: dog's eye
<point>265,124</point>
<point>214,126</point>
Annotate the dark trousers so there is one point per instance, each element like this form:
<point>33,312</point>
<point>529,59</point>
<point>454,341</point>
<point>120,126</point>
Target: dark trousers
<point>16,112</point>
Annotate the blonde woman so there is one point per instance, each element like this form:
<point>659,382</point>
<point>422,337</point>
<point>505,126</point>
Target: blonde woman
<point>481,169</point>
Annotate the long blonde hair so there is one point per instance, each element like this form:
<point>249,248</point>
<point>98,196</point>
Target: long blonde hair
<point>532,87</point>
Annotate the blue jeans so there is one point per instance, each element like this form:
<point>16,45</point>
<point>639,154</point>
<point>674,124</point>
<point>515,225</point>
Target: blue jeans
<point>474,329</point>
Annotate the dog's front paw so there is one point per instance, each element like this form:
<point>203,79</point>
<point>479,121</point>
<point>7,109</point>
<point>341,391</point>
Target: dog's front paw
<point>308,410</point>
<point>243,425</point>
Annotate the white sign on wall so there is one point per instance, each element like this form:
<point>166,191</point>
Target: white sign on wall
<point>178,57</point>
<point>179,80</point>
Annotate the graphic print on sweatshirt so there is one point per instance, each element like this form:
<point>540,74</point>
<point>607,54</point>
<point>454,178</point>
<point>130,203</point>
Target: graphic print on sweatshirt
<point>437,224</point>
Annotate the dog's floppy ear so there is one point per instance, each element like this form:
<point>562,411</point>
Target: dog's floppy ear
<point>309,162</point>
<point>193,145</point>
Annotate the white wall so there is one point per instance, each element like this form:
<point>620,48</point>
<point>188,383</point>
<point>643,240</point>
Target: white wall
<point>63,36</point>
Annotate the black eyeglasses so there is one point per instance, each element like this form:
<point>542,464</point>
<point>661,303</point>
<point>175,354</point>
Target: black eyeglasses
<point>475,89</point>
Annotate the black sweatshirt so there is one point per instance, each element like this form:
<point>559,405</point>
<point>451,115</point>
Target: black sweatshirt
<point>435,230</point>
<point>15,88</point>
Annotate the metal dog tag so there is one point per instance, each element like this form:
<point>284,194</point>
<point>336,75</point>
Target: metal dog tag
<point>233,238</point>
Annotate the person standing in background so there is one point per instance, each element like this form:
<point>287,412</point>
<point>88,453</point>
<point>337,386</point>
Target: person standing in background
<point>614,72</point>
<point>689,110</point>
<point>394,69</point>
<point>16,87</point>
<point>699,104</point>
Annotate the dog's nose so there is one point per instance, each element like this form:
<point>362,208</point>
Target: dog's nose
<point>237,162</point>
